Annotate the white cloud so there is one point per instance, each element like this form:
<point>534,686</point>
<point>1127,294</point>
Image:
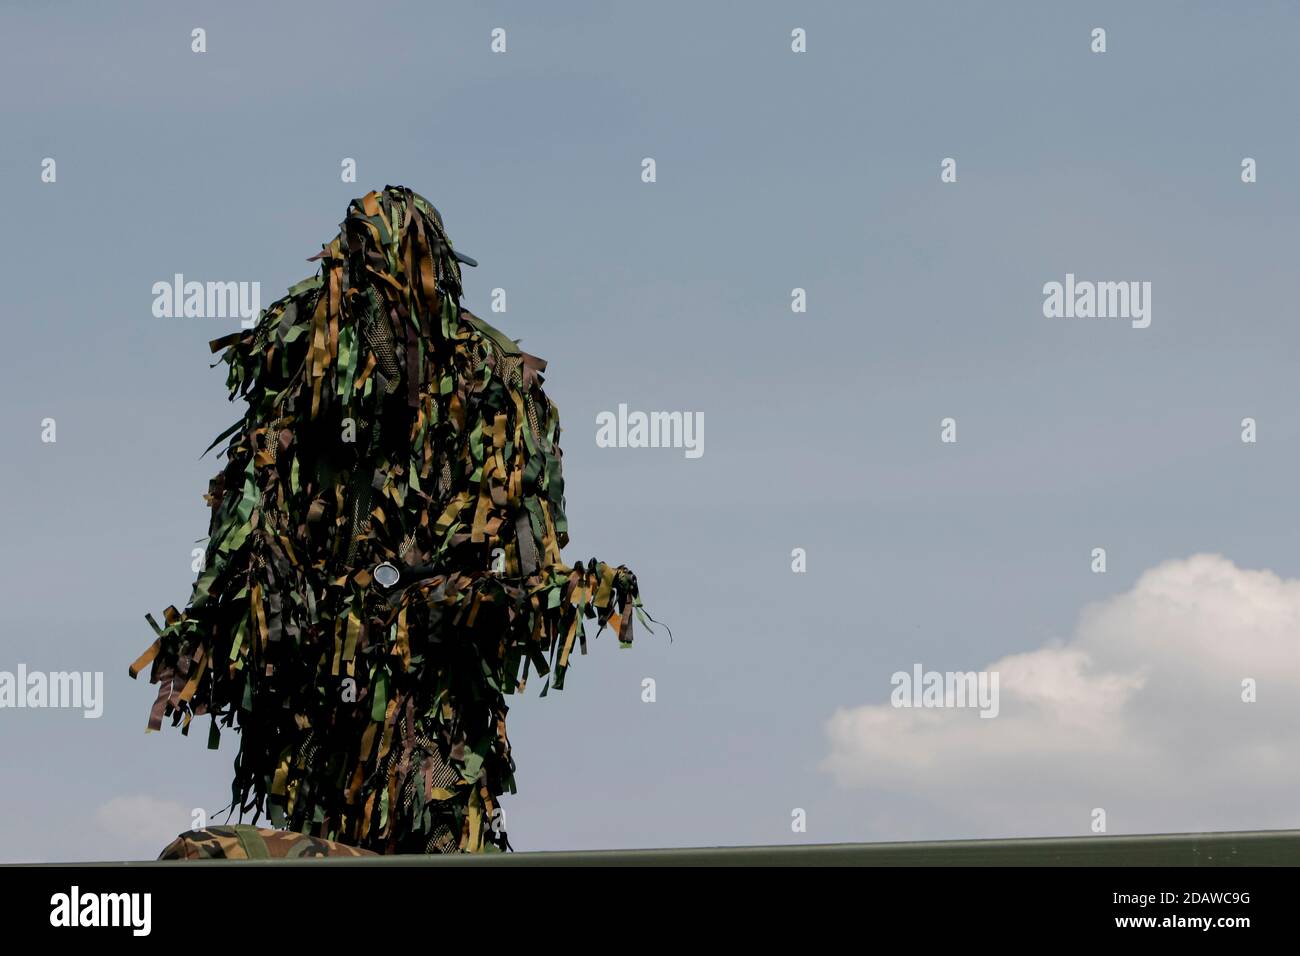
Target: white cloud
<point>1139,712</point>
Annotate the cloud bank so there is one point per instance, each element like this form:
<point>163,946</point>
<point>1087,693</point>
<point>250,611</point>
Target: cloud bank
<point>1140,712</point>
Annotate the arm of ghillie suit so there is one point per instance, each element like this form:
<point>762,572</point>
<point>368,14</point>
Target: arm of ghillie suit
<point>227,611</point>
<point>200,658</point>
<point>533,622</point>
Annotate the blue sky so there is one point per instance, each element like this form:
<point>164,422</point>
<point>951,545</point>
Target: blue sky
<point>775,170</point>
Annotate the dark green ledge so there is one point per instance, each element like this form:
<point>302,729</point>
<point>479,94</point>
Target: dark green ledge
<point>1254,848</point>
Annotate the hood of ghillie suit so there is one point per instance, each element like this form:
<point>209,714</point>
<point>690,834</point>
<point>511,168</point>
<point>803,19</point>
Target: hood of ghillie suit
<point>385,423</point>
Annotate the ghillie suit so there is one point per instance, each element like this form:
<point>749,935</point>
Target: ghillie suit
<point>389,432</point>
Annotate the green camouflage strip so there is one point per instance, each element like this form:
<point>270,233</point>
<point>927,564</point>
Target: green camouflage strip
<point>384,423</point>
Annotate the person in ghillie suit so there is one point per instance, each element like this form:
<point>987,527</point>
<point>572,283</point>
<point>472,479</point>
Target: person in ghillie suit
<point>383,563</point>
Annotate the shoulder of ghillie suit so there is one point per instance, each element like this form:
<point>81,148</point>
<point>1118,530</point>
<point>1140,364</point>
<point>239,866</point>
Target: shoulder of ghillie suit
<point>389,434</point>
